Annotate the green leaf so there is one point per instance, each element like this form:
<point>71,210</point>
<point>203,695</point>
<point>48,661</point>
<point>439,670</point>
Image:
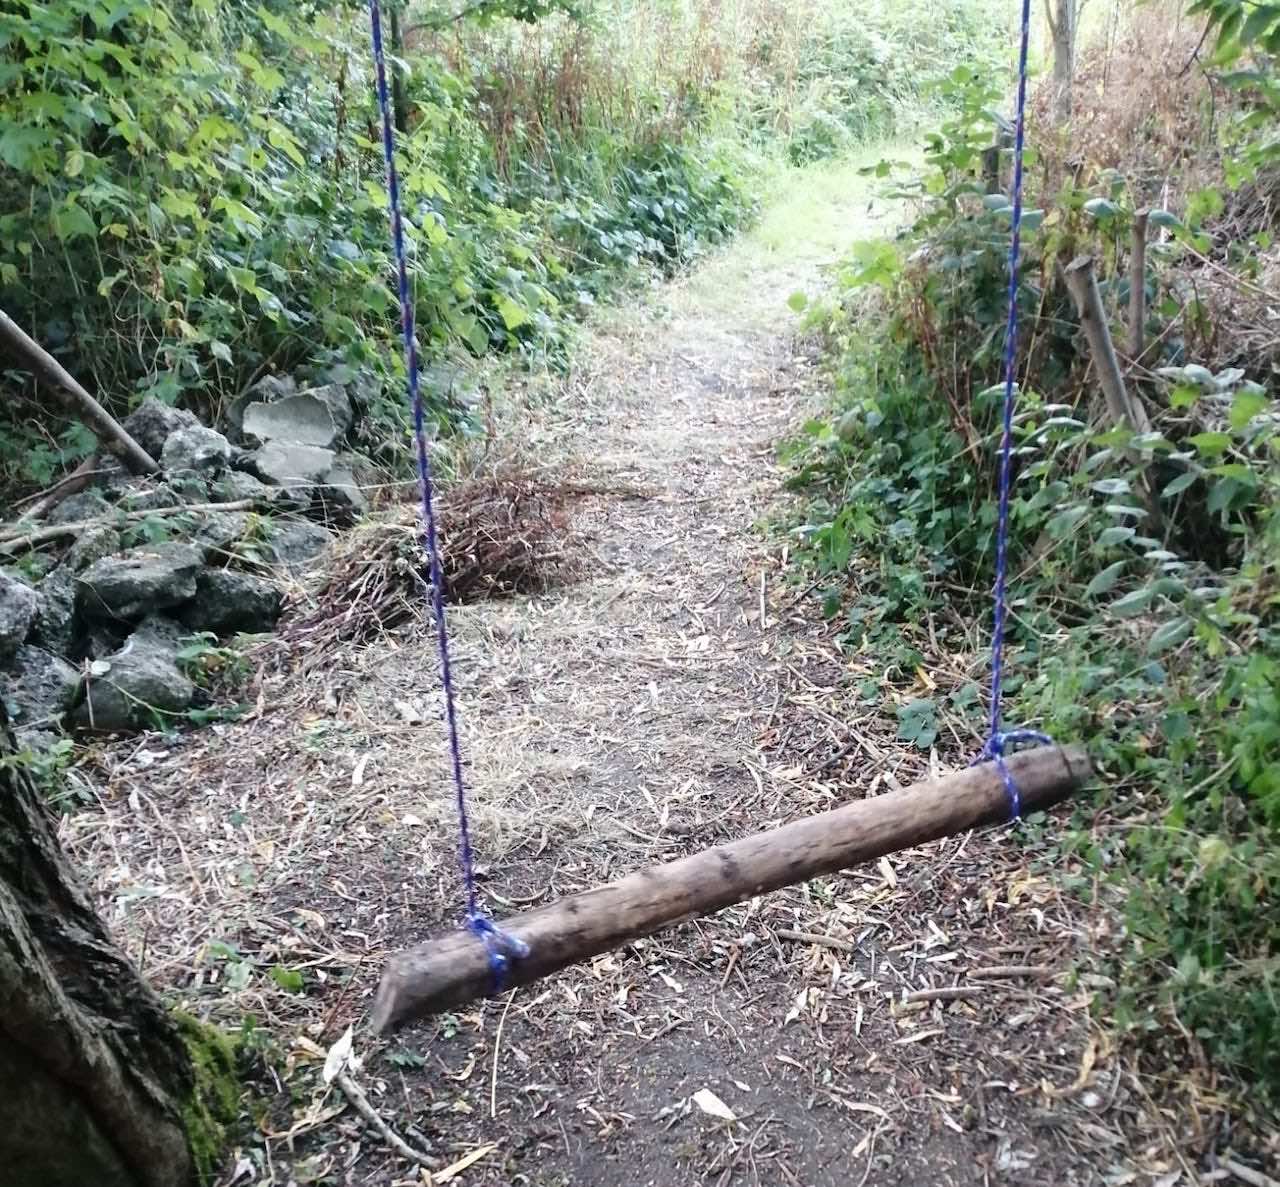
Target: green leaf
<point>1133,603</point>
<point>1246,404</point>
<point>70,221</point>
<point>1169,636</point>
<point>917,723</point>
<point>1116,535</point>
<point>290,980</point>
<point>1101,208</point>
<point>1210,443</point>
<point>1179,484</point>
<point>1259,22</point>
<point>74,164</point>
<point>513,316</point>
<point>1103,582</point>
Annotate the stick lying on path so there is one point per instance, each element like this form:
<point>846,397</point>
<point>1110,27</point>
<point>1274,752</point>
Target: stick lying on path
<point>454,969</point>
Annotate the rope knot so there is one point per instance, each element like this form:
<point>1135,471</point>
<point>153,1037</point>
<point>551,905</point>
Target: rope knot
<point>994,750</point>
<point>502,947</point>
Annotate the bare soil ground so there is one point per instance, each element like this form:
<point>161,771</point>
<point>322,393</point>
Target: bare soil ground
<point>679,694</point>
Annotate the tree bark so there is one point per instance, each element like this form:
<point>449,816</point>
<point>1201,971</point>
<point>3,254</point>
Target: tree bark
<point>1138,287</point>
<point>399,100</point>
<point>1062,16</point>
<point>96,1074</point>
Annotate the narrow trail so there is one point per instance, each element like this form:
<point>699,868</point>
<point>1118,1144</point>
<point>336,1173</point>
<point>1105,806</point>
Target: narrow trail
<point>675,697</point>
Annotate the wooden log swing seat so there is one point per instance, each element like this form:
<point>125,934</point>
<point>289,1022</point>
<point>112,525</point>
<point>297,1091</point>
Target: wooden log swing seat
<point>443,973</point>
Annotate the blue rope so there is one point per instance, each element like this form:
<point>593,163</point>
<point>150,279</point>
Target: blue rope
<point>998,740</point>
<point>501,947</point>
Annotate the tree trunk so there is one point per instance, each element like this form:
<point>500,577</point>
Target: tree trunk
<point>1062,17</point>
<point>399,100</point>
<point>99,1082</point>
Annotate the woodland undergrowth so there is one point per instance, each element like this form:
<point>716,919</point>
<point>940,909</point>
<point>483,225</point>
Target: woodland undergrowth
<point>1145,614</point>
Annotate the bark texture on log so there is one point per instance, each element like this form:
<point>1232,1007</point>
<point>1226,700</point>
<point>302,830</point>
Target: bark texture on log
<point>95,1072</point>
<point>455,969</point>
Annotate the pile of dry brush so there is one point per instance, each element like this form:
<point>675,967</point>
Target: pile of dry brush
<point>506,531</point>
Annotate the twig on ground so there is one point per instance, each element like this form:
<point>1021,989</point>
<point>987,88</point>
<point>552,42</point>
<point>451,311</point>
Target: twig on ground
<point>355,1094</point>
<point>809,937</point>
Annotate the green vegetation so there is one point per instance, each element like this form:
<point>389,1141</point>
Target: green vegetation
<point>1146,617</point>
<point>193,194</point>
<point>214,1103</point>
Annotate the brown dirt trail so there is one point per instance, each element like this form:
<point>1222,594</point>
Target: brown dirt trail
<point>679,695</point>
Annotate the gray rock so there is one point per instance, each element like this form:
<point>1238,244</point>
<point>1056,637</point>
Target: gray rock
<point>296,466</point>
<point>316,474</point>
<point>294,543</point>
<point>39,687</point>
<point>55,625</point>
<point>267,390</point>
<point>320,416</point>
<point>152,496</point>
<point>138,686</point>
<point>125,588</point>
<point>18,609</point>
<point>220,532</point>
<point>235,486</point>
<point>91,545</point>
<point>341,495</point>
<point>84,504</point>
<point>195,449</point>
<point>229,602</point>
<point>152,423</point>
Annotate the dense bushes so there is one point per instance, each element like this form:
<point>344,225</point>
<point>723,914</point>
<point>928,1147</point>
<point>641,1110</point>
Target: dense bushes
<point>1146,565</point>
<point>193,193</point>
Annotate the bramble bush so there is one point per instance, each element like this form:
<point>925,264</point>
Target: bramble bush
<point>1147,626</point>
<point>193,193</point>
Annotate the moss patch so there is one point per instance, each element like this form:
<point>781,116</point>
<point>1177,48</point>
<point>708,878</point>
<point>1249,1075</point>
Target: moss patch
<point>215,1092</point>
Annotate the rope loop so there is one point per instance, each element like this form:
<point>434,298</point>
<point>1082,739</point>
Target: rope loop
<point>501,946</point>
<point>994,750</point>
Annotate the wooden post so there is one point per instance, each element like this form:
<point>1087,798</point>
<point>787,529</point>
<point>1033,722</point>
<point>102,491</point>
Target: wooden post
<point>1124,409</point>
<point>100,422</point>
<point>1138,287</point>
<point>991,168</point>
<point>454,969</point>
<point>1083,284</point>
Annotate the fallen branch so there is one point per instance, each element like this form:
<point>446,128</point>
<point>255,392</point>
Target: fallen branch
<point>23,541</point>
<point>948,993</point>
<point>1000,971</point>
<point>455,968</point>
<point>355,1094</point>
<point>96,418</point>
<point>810,937</point>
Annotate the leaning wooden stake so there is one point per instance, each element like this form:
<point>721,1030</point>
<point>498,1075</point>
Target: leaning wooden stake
<point>1138,287</point>
<point>96,418</point>
<point>454,969</point>
<point>1083,283</point>
<point>1126,410</point>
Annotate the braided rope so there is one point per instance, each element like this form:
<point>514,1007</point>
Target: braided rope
<point>501,947</point>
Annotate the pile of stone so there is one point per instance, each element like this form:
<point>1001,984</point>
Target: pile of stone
<point>202,549</point>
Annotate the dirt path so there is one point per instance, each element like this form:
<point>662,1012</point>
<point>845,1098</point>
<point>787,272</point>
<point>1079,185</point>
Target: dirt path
<point>673,699</point>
